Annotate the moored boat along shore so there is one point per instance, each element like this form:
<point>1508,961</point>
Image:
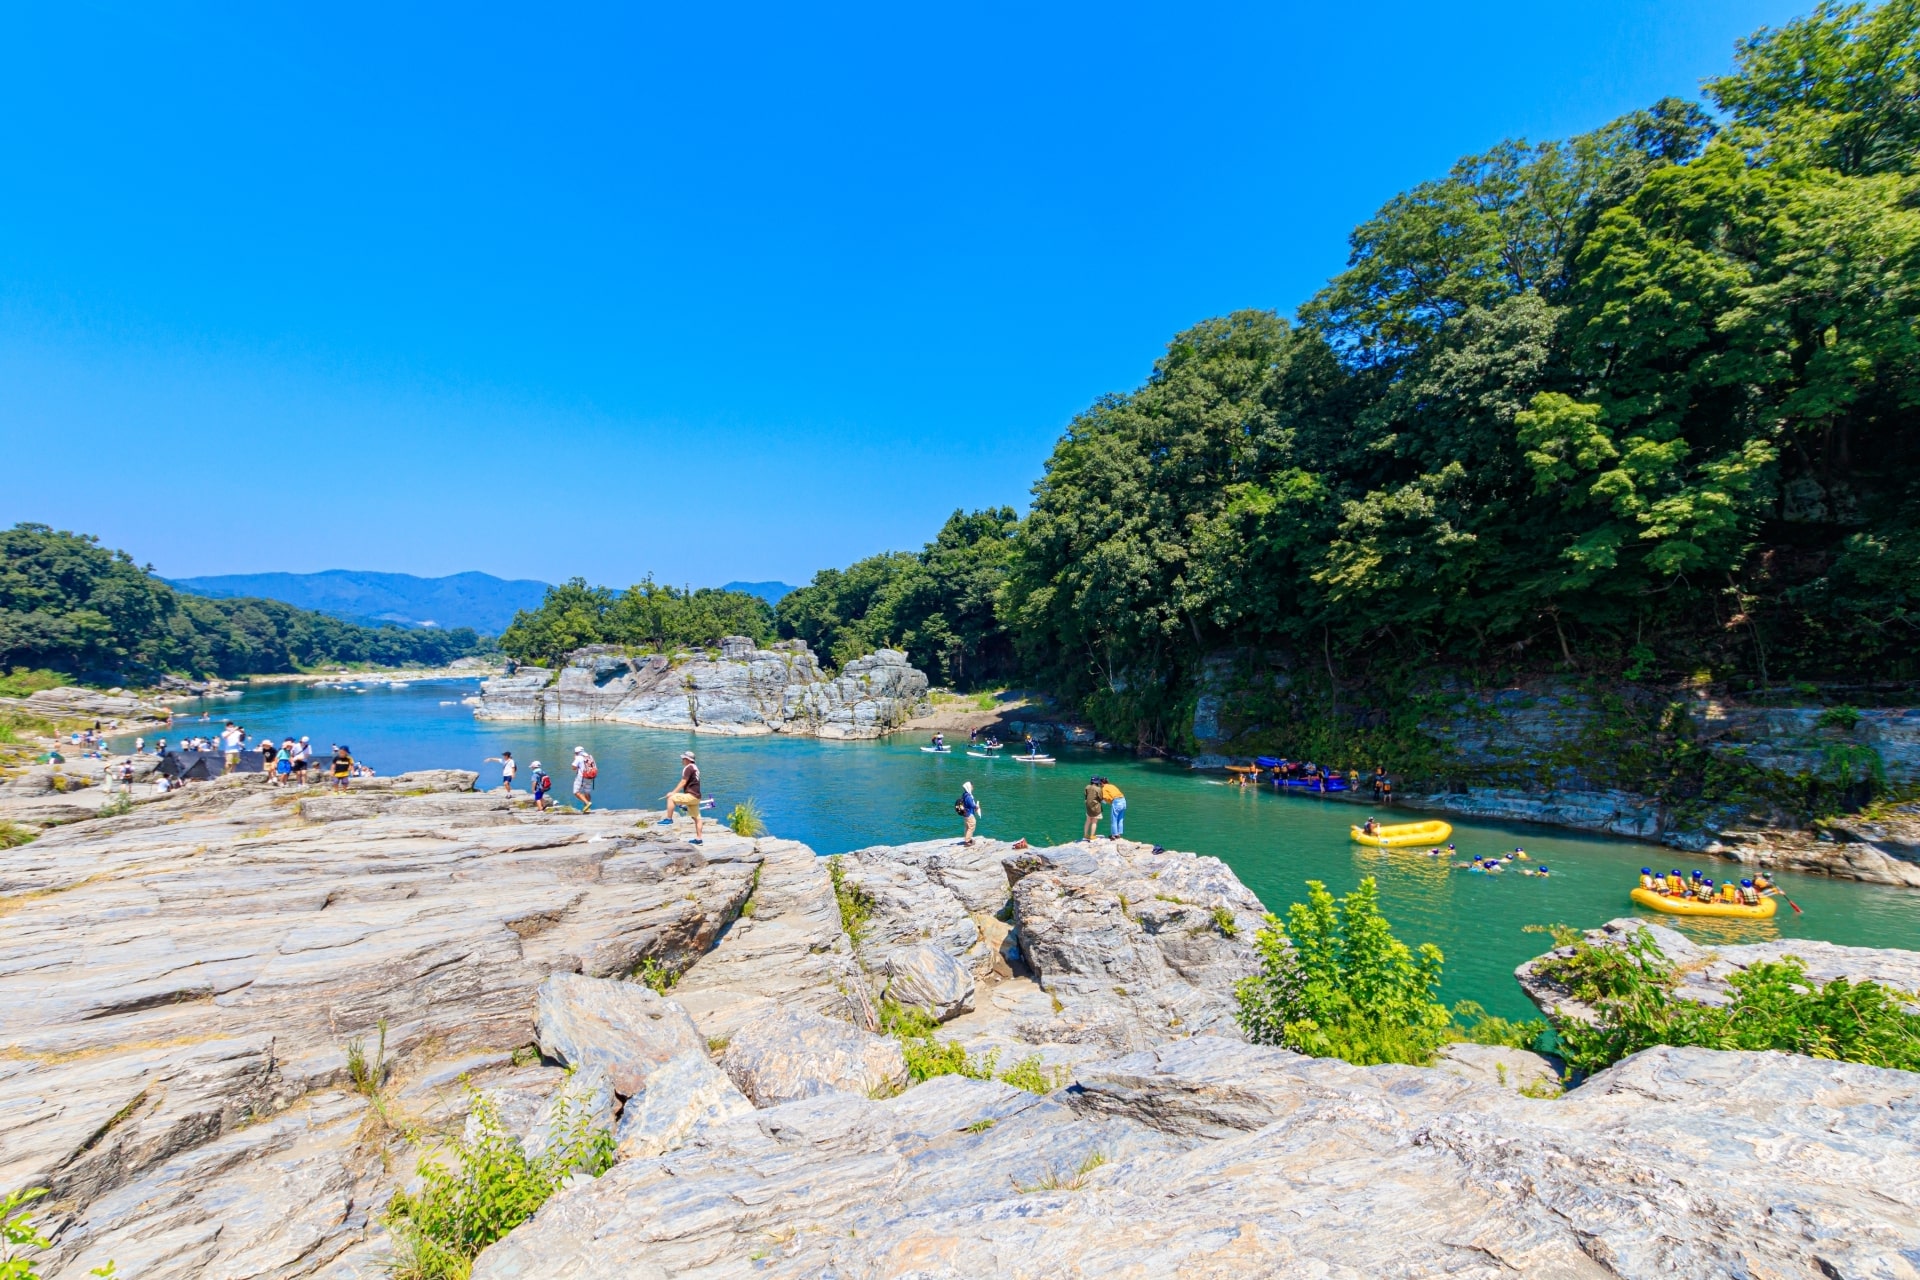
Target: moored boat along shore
<point>326,991</point>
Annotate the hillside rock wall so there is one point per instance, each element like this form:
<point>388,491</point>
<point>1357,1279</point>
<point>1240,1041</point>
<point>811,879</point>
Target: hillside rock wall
<point>741,690</point>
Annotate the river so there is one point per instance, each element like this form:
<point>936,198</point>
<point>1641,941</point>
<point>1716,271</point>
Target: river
<point>836,796</point>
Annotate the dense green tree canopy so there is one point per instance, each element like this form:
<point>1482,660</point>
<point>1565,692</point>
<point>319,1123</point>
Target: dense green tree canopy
<point>644,616</point>
<point>69,604</point>
<point>939,605</point>
<point>1643,401</point>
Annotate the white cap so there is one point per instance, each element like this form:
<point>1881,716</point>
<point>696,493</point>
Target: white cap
<point>536,764</point>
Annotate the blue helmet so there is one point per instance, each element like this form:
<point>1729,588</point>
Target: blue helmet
<point>1707,881</point>
<point>1746,884</point>
<point>1674,872</point>
<point>1543,868</point>
<point>1646,871</point>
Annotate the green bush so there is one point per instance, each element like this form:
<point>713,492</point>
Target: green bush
<point>1335,983</point>
<point>493,1188</point>
<point>13,835</point>
<point>1774,1006</point>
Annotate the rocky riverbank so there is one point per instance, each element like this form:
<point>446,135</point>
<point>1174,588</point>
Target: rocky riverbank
<point>182,987</point>
<point>737,690</point>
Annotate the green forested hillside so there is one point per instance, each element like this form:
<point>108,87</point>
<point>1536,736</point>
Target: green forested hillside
<point>70,605</point>
<point>1639,403</point>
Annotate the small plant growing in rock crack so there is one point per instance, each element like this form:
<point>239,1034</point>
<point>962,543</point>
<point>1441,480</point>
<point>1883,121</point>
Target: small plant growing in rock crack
<point>660,977</point>
<point>979,1126</point>
<point>491,1187</point>
<point>856,904</point>
<point>13,835</point>
<point>118,806</point>
<point>1541,1088</point>
<point>1028,1074</point>
<point>368,1077</point>
<point>1057,1181</point>
<point>1223,921</point>
<point>750,903</point>
<point>18,1237</point>
<point>746,819</point>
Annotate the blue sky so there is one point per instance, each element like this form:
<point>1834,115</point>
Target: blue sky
<point>708,291</point>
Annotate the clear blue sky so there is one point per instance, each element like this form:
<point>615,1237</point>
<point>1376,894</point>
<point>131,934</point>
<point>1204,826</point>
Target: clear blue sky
<point>713,291</point>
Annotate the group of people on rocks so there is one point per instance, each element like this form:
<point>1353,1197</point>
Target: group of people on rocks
<point>1701,888</point>
<point>288,762</point>
<point>586,772</point>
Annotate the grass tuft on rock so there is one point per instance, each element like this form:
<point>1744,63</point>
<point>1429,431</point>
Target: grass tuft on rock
<point>856,904</point>
<point>746,819</point>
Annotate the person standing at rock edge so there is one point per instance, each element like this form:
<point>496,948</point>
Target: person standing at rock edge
<point>968,807</point>
<point>585,770</point>
<point>230,746</point>
<point>1117,808</point>
<point>342,767</point>
<point>507,768</point>
<point>540,782</point>
<point>1093,809</point>
<point>687,793</point>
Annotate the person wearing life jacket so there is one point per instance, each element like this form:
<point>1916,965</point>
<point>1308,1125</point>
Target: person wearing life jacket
<point>1763,882</point>
<point>1704,890</point>
<point>1729,892</point>
<point>1646,878</point>
<point>1749,894</point>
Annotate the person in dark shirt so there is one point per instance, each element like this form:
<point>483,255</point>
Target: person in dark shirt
<point>686,792</point>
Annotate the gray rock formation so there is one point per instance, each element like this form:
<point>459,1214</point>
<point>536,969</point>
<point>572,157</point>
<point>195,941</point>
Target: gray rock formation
<point>1211,1157</point>
<point>72,702</point>
<point>793,1054</point>
<point>682,1097</point>
<point>738,690</point>
<point>621,1026</point>
<point>180,987</point>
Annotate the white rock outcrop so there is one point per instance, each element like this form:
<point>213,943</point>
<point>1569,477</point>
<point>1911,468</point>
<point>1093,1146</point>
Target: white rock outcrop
<point>738,690</point>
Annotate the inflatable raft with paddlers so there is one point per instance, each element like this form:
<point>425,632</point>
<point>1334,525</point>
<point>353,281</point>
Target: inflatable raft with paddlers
<point>1761,910</point>
<point>1400,834</point>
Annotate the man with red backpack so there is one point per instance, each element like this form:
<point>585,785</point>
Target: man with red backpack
<point>585,770</point>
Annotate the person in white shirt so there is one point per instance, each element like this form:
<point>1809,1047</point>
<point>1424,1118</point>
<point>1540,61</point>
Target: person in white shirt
<point>507,768</point>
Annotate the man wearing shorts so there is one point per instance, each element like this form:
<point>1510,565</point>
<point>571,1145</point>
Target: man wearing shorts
<point>686,793</point>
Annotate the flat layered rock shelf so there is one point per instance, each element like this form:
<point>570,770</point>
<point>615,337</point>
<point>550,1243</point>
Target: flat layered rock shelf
<point>180,987</point>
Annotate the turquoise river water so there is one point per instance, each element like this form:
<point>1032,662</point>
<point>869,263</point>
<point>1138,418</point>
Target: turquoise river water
<point>836,796</point>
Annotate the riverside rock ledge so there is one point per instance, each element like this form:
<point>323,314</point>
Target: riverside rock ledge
<point>737,689</point>
<point>179,986</point>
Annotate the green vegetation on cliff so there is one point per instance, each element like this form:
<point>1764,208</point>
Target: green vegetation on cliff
<point>71,606</point>
<point>644,616</point>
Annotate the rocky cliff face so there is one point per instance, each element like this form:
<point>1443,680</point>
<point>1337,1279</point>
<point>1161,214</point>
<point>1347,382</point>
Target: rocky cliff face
<point>180,985</point>
<point>738,690</point>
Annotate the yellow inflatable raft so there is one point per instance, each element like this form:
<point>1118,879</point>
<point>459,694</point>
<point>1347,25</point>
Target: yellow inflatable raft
<point>1694,907</point>
<point>1406,833</point>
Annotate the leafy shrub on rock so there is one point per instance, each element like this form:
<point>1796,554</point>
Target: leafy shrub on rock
<point>493,1187</point>
<point>1774,1006</point>
<point>1335,983</point>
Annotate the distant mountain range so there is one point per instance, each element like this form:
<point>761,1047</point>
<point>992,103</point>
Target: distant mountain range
<point>768,591</point>
<point>477,600</point>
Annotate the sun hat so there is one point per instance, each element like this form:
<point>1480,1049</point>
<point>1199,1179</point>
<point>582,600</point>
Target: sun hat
<point>686,755</point>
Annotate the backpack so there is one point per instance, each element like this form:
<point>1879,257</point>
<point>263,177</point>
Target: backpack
<point>960,806</point>
<point>592,770</point>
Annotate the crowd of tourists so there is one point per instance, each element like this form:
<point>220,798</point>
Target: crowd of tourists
<point>288,761</point>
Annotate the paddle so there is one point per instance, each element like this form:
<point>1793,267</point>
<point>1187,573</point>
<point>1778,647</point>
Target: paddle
<point>1790,902</point>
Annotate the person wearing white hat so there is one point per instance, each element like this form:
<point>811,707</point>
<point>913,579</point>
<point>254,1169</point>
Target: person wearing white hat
<point>585,770</point>
<point>687,793</point>
<point>541,782</point>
